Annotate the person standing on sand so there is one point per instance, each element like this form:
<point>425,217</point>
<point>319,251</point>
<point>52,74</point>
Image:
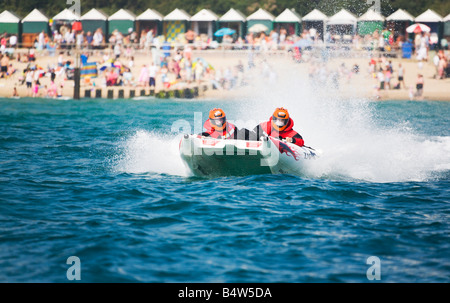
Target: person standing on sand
<point>419,86</point>
<point>401,73</point>
<point>35,89</point>
<point>388,75</point>
<point>380,76</point>
<point>4,62</point>
<point>153,70</point>
<point>29,81</point>
<point>144,76</point>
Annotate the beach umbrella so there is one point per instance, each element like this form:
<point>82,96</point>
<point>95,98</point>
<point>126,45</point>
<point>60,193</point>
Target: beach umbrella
<point>417,28</point>
<point>203,61</point>
<point>303,43</point>
<point>224,32</point>
<point>257,28</point>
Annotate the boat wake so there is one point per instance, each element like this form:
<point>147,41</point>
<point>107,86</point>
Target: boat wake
<point>389,156</point>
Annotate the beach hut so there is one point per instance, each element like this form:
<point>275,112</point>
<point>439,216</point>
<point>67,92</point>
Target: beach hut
<point>149,20</point>
<point>289,20</point>
<point>175,24</point>
<point>316,20</point>
<point>262,17</point>
<point>34,23</point>
<point>342,23</point>
<point>204,22</point>
<point>447,26</point>
<point>9,23</point>
<point>398,21</point>
<point>370,22</point>
<point>93,20</point>
<point>433,20</point>
<point>233,19</point>
<point>122,20</point>
<point>65,18</point>
<point>66,15</point>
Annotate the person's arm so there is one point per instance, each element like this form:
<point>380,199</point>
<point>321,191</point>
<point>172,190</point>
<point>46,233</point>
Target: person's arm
<point>296,139</point>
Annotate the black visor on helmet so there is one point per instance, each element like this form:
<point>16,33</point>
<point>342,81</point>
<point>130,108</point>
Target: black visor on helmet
<point>218,121</point>
<point>279,121</point>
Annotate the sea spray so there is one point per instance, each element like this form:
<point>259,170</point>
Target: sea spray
<point>356,143</point>
<point>150,152</point>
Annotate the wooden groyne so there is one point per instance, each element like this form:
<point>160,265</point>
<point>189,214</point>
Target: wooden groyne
<point>133,92</point>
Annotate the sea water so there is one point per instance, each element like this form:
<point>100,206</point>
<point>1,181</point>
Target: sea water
<point>102,180</point>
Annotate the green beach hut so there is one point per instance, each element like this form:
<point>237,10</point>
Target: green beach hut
<point>370,22</point>
<point>65,18</point>
<point>289,20</point>
<point>262,17</point>
<point>34,23</point>
<point>122,20</point>
<point>175,24</point>
<point>233,19</point>
<point>9,23</point>
<point>93,20</point>
<point>447,26</point>
<point>150,19</point>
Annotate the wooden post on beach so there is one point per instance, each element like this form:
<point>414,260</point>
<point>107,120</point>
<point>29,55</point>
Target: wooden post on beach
<point>76,75</point>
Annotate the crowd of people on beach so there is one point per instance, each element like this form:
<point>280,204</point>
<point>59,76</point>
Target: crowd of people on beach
<point>173,64</point>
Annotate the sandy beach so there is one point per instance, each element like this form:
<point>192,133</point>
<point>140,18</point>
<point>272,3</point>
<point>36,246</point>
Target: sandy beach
<point>351,85</point>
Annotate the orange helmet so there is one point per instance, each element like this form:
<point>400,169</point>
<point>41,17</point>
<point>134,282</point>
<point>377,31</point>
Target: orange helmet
<point>280,119</point>
<point>218,119</point>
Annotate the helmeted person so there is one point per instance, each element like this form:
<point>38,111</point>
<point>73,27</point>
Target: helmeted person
<point>218,127</point>
<point>279,126</point>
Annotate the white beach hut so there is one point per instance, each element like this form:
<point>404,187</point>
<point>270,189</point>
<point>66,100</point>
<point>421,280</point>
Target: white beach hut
<point>262,17</point>
<point>150,19</point>
<point>204,22</point>
<point>315,19</point>
<point>290,20</point>
<point>176,23</point>
<point>233,19</point>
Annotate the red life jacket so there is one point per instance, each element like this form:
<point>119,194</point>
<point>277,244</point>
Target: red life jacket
<point>226,133</point>
<point>287,132</point>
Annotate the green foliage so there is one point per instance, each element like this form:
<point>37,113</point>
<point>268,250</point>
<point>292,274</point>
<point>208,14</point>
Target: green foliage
<point>329,7</point>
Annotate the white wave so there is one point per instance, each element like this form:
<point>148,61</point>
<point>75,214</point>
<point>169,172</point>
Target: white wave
<point>148,152</point>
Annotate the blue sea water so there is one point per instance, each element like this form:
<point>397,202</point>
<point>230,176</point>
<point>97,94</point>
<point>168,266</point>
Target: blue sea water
<point>102,180</point>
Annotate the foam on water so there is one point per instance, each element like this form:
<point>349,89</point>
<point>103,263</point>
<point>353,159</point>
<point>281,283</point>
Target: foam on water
<point>149,152</point>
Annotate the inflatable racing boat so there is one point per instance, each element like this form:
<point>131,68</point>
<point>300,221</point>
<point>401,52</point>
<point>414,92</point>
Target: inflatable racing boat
<point>206,156</point>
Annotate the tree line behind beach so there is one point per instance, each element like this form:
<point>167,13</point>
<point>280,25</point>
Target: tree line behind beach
<point>358,7</point>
